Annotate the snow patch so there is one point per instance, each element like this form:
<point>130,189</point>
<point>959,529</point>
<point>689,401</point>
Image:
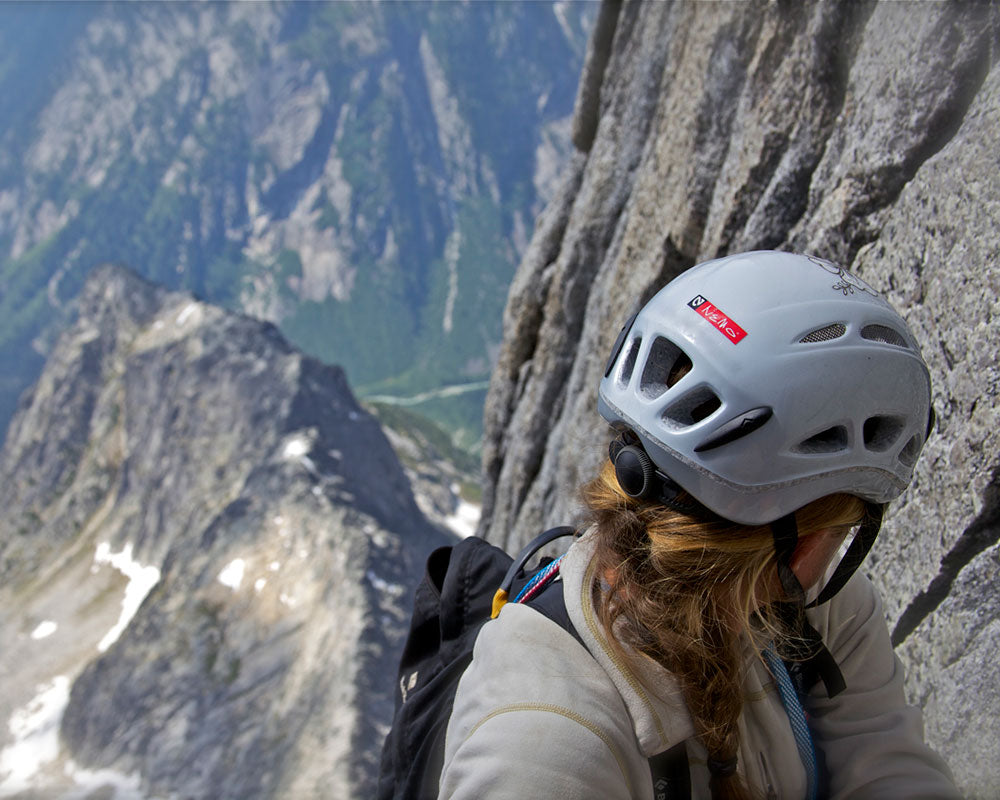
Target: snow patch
<point>141,580</point>
<point>296,447</point>
<point>392,589</point>
<point>35,731</point>
<point>90,782</point>
<point>189,310</point>
<point>465,519</point>
<point>44,629</point>
<point>232,574</point>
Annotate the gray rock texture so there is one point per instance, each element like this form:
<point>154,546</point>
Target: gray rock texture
<point>863,132</point>
<point>280,531</point>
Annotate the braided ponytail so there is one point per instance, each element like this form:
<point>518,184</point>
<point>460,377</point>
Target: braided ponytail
<point>689,594</point>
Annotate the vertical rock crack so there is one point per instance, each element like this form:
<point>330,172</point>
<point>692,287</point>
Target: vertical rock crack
<point>982,534</point>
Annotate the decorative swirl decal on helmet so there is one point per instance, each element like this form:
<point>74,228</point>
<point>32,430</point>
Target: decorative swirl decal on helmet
<point>848,283</point>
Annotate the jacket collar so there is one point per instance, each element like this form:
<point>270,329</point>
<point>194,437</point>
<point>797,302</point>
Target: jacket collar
<point>651,694</point>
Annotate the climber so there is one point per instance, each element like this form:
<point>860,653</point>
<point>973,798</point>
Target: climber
<point>764,407</point>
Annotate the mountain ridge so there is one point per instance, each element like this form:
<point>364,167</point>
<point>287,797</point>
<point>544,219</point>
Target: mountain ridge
<point>260,527</point>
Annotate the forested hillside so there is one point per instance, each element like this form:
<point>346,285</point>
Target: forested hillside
<point>364,175</point>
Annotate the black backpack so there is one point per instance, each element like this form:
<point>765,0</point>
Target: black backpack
<point>452,602</point>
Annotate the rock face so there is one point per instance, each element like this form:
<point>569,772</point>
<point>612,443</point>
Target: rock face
<point>175,449</point>
<point>865,132</point>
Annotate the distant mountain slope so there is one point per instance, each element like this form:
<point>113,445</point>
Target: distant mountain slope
<point>185,465</point>
<point>365,175</point>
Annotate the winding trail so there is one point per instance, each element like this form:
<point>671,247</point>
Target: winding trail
<point>423,397</point>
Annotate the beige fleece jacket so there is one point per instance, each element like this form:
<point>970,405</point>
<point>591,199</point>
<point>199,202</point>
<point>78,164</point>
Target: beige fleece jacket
<point>537,715</point>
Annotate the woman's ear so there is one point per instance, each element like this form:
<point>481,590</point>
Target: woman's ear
<point>813,554</point>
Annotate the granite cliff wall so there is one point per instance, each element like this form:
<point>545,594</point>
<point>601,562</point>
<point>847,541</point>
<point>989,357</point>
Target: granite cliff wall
<point>868,133</point>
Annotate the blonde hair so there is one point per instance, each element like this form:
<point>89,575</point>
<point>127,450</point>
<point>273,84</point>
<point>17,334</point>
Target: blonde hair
<point>689,593</point>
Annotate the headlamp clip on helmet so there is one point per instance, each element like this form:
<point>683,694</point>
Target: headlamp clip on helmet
<point>639,477</point>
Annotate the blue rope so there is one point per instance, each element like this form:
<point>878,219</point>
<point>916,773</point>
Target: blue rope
<point>539,577</point>
<point>797,718</point>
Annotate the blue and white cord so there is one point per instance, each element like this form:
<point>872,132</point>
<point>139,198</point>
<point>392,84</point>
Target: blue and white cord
<point>797,718</point>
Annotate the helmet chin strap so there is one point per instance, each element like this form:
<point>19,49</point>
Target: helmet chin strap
<point>786,537</point>
<point>856,553</point>
<point>815,662</point>
<point>813,659</point>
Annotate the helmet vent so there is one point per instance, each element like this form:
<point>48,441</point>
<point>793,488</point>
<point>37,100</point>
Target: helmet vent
<point>692,408</point>
<point>619,343</point>
<point>908,455</point>
<point>665,366</point>
<point>832,440</point>
<point>628,364</point>
<point>884,334</point>
<point>881,433</point>
<point>834,331</point>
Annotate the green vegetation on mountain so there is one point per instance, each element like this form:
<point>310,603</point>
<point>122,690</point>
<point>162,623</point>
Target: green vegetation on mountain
<point>358,173</point>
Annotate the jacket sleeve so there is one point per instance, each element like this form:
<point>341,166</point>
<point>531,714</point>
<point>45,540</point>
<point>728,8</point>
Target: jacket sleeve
<point>536,716</point>
<point>871,739</point>
<point>534,752</point>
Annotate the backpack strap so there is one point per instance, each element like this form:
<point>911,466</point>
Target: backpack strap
<point>671,775</point>
<point>551,603</point>
<point>516,569</point>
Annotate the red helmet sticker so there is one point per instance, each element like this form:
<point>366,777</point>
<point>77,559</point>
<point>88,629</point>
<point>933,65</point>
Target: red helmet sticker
<point>719,319</point>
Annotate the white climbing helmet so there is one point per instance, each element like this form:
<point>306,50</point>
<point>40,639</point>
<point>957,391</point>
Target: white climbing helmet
<point>801,381</point>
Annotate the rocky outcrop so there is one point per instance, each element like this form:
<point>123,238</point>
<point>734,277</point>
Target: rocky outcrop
<point>863,132</point>
<point>186,465</point>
